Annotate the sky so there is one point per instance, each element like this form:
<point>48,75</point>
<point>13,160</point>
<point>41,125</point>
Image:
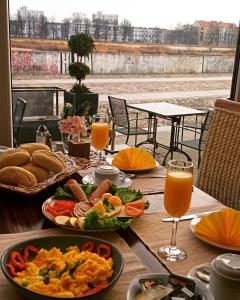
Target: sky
<point>146,13</point>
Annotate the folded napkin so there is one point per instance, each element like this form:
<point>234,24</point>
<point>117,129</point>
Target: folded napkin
<point>222,227</point>
<point>134,159</point>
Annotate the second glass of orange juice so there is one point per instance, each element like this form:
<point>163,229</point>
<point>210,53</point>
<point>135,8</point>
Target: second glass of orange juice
<point>177,200</point>
<point>99,133</point>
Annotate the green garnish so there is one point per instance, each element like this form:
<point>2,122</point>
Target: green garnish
<point>94,222</point>
<point>128,195</point>
<point>43,272</point>
<point>89,188</point>
<point>63,193</point>
<point>25,284</point>
<point>46,279</point>
<point>74,268</point>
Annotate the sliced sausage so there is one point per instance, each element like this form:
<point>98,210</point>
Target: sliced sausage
<point>100,190</point>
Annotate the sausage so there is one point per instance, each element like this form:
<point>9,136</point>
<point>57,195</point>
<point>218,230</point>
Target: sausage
<point>101,189</point>
<point>76,190</point>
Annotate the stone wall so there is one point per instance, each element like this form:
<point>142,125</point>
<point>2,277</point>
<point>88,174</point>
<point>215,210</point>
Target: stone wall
<point>54,62</point>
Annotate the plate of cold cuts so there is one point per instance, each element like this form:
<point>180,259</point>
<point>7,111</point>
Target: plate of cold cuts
<point>91,207</point>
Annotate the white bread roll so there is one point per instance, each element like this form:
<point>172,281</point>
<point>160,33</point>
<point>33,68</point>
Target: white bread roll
<point>17,176</point>
<point>48,160</point>
<point>14,157</point>
<point>40,173</point>
<point>31,147</point>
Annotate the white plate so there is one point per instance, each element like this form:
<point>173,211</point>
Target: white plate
<point>134,287</point>
<point>222,246</point>
<point>109,160</point>
<point>90,178</point>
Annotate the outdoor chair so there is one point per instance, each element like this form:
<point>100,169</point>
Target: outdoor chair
<point>18,114</point>
<point>200,134</point>
<point>123,123</point>
<point>219,172</point>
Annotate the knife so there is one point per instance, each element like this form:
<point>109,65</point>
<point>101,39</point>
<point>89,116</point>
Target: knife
<point>189,217</point>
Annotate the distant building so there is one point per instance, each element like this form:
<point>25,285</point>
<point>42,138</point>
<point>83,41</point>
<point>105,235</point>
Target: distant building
<point>26,13</point>
<point>111,18</point>
<point>216,33</point>
<point>148,35</point>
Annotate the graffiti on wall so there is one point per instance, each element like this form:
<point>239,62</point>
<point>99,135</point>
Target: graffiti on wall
<point>23,62</point>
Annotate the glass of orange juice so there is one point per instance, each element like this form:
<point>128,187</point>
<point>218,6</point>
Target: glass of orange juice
<point>177,200</point>
<point>100,133</point>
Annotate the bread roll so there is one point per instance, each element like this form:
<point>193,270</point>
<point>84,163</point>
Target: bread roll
<point>31,147</point>
<point>40,173</point>
<point>17,176</point>
<point>14,157</point>
<point>48,160</point>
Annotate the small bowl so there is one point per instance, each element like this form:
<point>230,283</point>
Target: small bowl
<point>62,242</point>
<point>134,288</point>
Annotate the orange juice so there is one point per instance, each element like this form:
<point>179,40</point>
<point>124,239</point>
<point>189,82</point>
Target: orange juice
<point>99,135</point>
<point>178,192</point>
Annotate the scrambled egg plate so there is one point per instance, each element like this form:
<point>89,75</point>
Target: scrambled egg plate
<point>72,274</point>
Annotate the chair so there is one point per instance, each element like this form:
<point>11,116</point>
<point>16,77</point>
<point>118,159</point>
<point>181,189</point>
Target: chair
<point>219,172</point>
<point>123,124</point>
<point>198,143</point>
<point>18,114</point>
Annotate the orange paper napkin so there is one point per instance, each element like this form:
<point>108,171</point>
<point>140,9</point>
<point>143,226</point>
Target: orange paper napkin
<point>222,227</point>
<point>134,159</point>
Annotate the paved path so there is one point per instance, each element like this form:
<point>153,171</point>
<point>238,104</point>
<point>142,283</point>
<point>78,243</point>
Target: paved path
<point>168,95</point>
<point>117,80</point>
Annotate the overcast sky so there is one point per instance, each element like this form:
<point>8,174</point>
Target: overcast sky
<point>149,13</point>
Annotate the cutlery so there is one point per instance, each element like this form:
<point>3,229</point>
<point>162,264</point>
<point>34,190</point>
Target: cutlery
<point>189,217</point>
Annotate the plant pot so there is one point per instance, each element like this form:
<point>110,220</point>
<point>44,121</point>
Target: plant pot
<point>84,104</point>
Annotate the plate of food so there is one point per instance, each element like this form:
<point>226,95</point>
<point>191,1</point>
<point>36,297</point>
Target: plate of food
<point>68,272</point>
<point>90,207</point>
<point>133,160</point>
<point>219,229</point>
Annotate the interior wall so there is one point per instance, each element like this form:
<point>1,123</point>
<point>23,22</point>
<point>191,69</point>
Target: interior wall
<point>5,78</point>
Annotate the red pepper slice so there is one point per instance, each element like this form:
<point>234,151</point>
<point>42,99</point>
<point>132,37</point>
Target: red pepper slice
<point>29,249</point>
<point>88,246</point>
<point>12,270</point>
<point>94,290</point>
<point>104,250</point>
<point>16,260</point>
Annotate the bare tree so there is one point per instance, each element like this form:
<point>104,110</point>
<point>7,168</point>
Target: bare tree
<point>65,29</point>
<point>87,24</point>
<point>20,25</point>
<point>127,30</point>
<point>97,25</point>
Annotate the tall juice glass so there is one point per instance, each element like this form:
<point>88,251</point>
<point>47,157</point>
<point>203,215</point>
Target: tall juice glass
<point>99,133</point>
<point>177,200</point>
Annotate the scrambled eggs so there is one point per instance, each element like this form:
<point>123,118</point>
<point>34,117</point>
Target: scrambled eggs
<point>71,274</point>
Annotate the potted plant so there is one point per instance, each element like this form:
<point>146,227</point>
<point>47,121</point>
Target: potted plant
<point>83,101</point>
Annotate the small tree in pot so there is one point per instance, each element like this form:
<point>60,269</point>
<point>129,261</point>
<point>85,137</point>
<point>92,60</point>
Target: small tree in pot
<point>84,102</point>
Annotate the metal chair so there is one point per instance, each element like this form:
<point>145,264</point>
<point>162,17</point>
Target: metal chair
<point>199,140</point>
<point>123,124</point>
<point>219,172</point>
<point>18,114</point>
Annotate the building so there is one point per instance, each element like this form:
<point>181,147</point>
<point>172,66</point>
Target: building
<point>216,33</point>
<point>110,18</point>
<point>148,35</point>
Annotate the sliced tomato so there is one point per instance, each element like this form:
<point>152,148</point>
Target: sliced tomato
<point>137,204</point>
<point>133,211</point>
<point>88,246</point>
<point>94,290</point>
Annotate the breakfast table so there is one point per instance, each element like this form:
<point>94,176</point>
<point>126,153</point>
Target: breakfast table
<point>22,219</point>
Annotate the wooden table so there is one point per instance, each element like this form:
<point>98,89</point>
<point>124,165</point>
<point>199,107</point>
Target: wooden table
<point>169,111</point>
<point>24,217</point>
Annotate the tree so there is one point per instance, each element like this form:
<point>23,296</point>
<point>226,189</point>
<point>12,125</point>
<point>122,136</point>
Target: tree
<point>65,28</point>
<point>127,30</point>
<point>97,25</point>
<point>82,45</point>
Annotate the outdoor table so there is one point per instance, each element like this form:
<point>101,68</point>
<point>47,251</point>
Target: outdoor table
<point>21,220</point>
<point>171,112</point>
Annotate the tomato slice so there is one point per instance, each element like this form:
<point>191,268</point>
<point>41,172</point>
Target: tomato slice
<point>133,211</point>
<point>88,246</point>
<point>137,204</point>
<point>104,250</point>
<point>94,290</point>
